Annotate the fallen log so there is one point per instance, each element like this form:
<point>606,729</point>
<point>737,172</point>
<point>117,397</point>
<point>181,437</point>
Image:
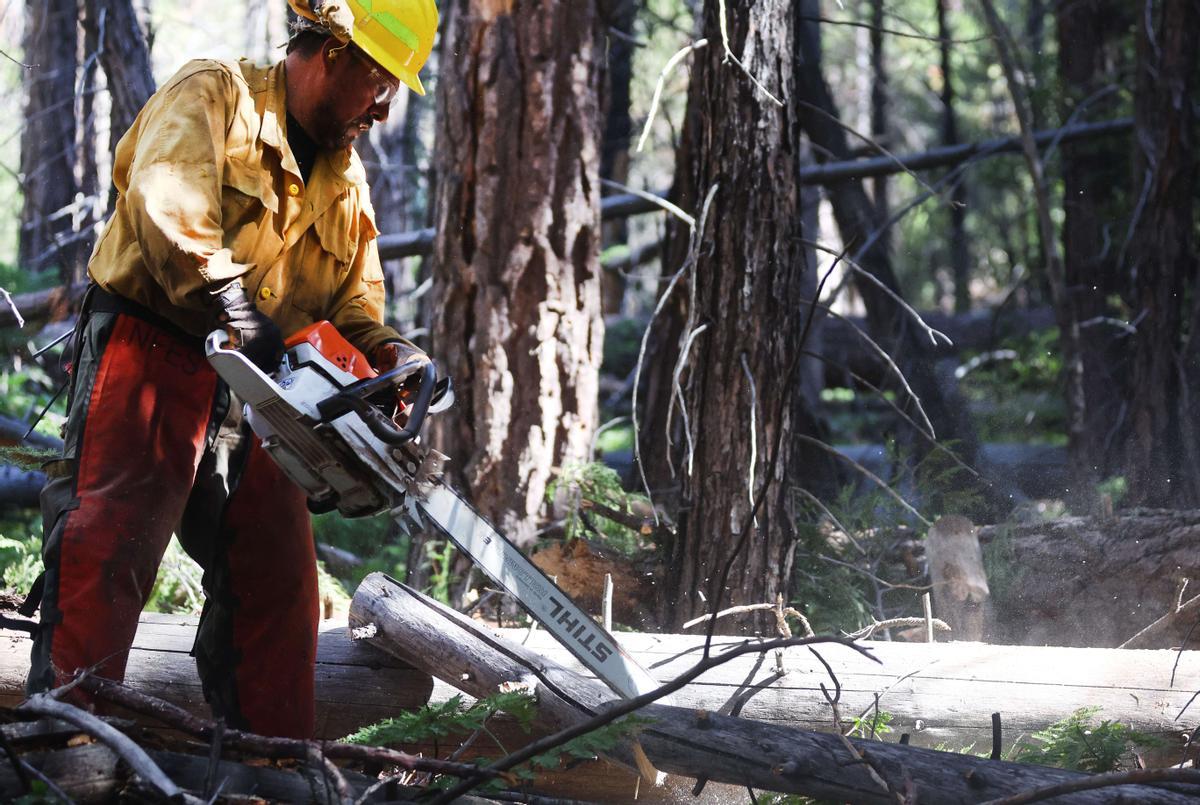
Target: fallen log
<point>1092,581</point>
<point>700,743</point>
<point>356,685</point>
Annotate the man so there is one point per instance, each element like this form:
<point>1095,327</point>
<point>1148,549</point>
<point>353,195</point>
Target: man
<point>241,205</point>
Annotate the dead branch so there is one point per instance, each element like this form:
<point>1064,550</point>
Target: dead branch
<point>419,243</point>
<point>1147,636</point>
<point>867,632</point>
<point>264,746</point>
<point>46,705</point>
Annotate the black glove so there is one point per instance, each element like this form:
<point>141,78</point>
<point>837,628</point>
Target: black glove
<point>253,332</point>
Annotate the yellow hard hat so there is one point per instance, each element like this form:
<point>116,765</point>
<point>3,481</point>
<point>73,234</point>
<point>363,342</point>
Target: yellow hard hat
<point>397,34</point>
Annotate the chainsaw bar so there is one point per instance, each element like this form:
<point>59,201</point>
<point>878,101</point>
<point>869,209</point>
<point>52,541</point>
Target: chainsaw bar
<point>343,455</point>
<point>504,564</point>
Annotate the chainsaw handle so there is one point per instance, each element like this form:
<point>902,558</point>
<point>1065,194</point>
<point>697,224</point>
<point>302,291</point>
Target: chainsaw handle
<point>354,398</point>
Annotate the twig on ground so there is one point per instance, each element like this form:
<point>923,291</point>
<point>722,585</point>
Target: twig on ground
<point>795,613</point>
<point>44,704</point>
<point>331,774</point>
<point>262,745</point>
<point>867,631</point>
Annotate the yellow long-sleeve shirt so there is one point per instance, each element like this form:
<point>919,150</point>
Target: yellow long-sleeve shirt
<point>209,191</point>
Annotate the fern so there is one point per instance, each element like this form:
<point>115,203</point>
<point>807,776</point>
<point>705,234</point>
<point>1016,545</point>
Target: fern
<point>1076,743</point>
<point>444,719</point>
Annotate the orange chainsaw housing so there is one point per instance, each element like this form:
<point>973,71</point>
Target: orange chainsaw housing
<point>329,342</point>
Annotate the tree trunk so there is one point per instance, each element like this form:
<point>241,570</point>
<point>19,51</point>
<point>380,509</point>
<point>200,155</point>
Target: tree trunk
<point>48,139</point>
<point>1091,581</point>
<point>125,57</point>
<point>1090,171</point>
<point>1162,464</point>
<point>516,266</point>
<point>960,258</point>
<point>735,327</point>
<point>855,216</point>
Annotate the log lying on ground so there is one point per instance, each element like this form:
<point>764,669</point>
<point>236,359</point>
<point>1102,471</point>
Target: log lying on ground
<point>699,743</point>
<point>356,685</point>
<point>941,694</point>
<point>1094,581</point>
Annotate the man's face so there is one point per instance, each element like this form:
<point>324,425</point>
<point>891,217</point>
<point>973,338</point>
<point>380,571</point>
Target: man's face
<point>356,94</point>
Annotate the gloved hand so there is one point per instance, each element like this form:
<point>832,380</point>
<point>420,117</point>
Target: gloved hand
<point>391,354</point>
<point>253,332</point>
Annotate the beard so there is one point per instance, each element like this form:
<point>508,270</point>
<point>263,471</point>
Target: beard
<point>333,133</point>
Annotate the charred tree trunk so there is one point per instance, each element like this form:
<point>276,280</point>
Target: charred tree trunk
<point>125,57</point>
<point>618,17</point>
<point>738,316</point>
<point>48,140</point>
<point>1162,466</point>
<point>1090,171</point>
<point>516,265</point>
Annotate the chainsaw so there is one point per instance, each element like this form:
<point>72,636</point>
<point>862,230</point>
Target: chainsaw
<point>326,418</point>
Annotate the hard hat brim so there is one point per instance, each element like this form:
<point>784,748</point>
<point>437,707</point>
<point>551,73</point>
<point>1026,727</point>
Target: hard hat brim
<point>384,58</point>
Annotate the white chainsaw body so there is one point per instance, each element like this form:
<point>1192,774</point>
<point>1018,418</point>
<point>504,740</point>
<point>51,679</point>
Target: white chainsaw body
<point>339,459</point>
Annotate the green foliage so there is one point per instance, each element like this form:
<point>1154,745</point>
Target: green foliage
<point>20,552</point>
<point>178,587</point>
<point>588,746</point>
<point>581,486</point>
<point>441,574</point>
<point>1115,487</point>
<point>1019,399</point>
<point>445,719</point>
<point>39,794</point>
<point>872,726</point>
<point>454,718</point>
<point>375,540</point>
<point>1077,743</point>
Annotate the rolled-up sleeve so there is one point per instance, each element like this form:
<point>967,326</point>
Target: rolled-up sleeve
<point>358,309</point>
<point>175,186</point>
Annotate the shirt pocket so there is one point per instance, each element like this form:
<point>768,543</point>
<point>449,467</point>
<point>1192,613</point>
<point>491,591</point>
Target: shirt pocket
<point>249,206</point>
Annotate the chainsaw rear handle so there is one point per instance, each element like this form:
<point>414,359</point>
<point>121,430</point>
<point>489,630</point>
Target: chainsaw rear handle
<point>354,398</point>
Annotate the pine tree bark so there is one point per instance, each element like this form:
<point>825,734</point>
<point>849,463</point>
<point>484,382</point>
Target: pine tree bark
<point>516,264</point>
<point>735,326</point>
<point>1162,464</point>
<point>48,154</point>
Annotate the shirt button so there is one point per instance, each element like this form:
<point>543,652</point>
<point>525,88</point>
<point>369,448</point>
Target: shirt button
<point>265,292</point>
<point>293,189</point>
